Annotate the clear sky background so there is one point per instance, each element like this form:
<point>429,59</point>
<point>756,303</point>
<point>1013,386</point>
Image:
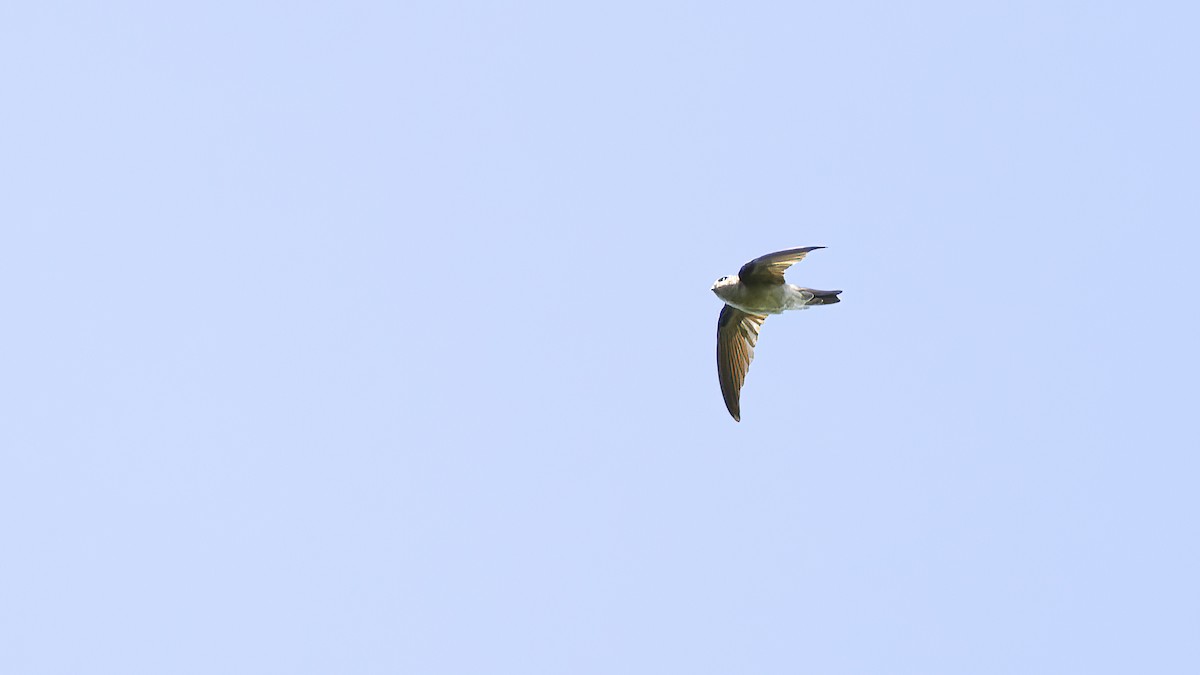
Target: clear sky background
<point>368,337</point>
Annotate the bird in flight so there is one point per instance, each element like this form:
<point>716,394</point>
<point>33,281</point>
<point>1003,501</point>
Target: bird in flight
<point>757,290</point>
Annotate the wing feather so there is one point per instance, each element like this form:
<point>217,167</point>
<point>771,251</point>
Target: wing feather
<point>769,269</point>
<point>737,334</point>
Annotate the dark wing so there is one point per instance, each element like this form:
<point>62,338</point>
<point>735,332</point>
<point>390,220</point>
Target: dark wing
<point>769,268</point>
<point>737,333</point>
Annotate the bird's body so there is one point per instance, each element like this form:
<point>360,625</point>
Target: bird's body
<point>763,299</point>
<point>757,290</point>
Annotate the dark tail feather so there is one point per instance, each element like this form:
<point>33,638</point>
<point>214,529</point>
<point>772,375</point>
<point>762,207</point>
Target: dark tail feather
<point>824,297</point>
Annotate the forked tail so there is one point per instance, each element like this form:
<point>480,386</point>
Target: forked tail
<point>823,297</point>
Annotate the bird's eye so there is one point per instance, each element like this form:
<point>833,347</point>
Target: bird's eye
<point>722,279</point>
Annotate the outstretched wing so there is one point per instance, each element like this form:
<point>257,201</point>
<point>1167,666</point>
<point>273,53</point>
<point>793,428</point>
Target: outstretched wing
<point>737,333</point>
<point>769,269</point>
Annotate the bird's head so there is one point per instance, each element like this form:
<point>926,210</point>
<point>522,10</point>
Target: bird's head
<point>720,285</point>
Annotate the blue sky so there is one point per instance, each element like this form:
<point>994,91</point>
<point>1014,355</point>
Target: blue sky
<point>377,338</point>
